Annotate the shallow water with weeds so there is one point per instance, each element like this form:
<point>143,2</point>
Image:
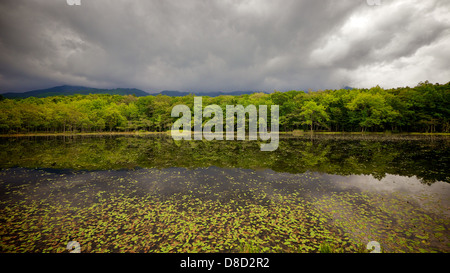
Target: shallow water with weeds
<point>151,194</point>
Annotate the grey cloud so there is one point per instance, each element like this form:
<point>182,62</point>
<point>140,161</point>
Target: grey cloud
<point>216,45</point>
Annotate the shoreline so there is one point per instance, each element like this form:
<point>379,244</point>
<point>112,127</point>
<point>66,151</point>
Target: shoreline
<point>84,134</point>
<point>292,133</point>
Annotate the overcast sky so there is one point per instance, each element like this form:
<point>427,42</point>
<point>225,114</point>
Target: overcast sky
<point>223,45</point>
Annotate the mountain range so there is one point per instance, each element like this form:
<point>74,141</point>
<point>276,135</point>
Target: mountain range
<point>67,90</point>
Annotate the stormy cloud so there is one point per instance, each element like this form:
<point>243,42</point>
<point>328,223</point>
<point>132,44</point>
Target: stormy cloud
<point>223,45</point>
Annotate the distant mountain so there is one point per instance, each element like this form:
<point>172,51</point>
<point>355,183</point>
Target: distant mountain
<point>171,93</point>
<point>67,90</point>
<point>209,94</point>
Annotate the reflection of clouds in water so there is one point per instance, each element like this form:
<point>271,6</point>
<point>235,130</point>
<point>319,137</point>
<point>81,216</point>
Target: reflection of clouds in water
<point>427,196</point>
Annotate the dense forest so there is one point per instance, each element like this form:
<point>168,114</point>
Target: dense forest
<point>423,108</point>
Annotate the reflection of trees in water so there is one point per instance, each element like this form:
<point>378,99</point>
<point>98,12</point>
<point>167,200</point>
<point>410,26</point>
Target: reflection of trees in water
<point>428,160</point>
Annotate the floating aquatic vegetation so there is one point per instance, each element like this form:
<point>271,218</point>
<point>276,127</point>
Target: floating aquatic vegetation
<point>396,221</point>
<point>205,210</point>
<point>152,194</point>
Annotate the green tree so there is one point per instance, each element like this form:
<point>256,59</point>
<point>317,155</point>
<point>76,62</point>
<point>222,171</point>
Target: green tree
<point>370,109</point>
<point>113,118</point>
<point>314,114</point>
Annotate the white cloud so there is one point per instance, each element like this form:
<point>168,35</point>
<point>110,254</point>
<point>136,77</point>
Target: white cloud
<point>428,63</point>
<point>396,44</point>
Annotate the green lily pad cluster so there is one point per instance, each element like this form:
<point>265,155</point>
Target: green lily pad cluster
<point>399,223</point>
<point>205,210</point>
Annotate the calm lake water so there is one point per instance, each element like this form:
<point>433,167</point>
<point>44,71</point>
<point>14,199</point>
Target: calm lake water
<point>154,194</point>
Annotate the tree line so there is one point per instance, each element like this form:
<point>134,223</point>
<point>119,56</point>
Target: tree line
<point>423,108</point>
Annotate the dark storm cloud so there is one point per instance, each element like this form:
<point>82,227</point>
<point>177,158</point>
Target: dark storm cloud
<point>222,45</point>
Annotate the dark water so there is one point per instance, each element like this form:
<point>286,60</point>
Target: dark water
<point>152,194</point>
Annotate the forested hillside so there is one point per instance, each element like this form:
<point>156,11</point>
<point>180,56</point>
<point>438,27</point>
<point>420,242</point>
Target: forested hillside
<point>424,108</point>
<point>67,90</point>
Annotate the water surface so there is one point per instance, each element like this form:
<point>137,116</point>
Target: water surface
<point>154,194</point>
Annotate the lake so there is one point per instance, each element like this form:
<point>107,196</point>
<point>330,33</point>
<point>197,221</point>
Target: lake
<point>149,193</point>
